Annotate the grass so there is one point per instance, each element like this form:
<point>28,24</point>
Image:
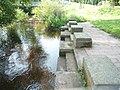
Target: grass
<point>105,18</point>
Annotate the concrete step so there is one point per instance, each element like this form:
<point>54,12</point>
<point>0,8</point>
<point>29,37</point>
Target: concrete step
<point>67,39</point>
<point>101,73</point>
<point>65,47</point>
<point>72,23</point>
<point>72,36</point>
<point>76,28</point>
<point>82,40</point>
<point>63,28</point>
<point>81,88</point>
<point>65,34</point>
<point>71,62</point>
<point>66,80</point>
<point>61,65</point>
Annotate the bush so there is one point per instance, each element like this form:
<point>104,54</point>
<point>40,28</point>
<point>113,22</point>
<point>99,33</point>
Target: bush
<point>77,18</point>
<point>21,16</point>
<point>51,13</point>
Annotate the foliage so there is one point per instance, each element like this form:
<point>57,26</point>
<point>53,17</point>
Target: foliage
<point>77,18</point>
<point>83,76</point>
<point>27,9</point>
<point>21,16</point>
<point>51,13</point>
<point>7,10</point>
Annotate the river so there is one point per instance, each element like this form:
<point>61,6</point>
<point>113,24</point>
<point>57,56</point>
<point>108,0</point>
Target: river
<point>28,57</point>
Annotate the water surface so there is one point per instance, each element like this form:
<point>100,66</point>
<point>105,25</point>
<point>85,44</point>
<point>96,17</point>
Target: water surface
<point>28,57</point>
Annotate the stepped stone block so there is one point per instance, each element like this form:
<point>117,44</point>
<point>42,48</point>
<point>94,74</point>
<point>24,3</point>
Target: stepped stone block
<point>65,47</point>
<point>82,40</point>
<point>76,28</point>
<point>70,19</point>
<point>101,73</point>
<point>65,34</point>
<point>67,80</point>
<point>72,23</point>
<point>70,62</point>
<point>67,39</point>
<point>61,65</point>
<point>63,28</point>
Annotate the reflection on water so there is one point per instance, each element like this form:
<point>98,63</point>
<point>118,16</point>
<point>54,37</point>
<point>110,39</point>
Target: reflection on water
<point>28,58</point>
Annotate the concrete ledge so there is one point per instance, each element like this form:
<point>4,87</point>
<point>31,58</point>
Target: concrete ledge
<point>76,28</point>
<point>72,23</point>
<point>82,40</point>
<point>65,34</point>
<point>63,28</point>
<point>70,62</point>
<point>65,47</point>
<point>61,64</point>
<point>101,73</point>
<point>67,80</point>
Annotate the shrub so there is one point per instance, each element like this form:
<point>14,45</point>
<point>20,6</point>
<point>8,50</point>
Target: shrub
<point>21,16</point>
<point>77,18</point>
<point>51,13</point>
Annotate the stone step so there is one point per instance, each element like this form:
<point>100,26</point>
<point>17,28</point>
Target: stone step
<point>70,62</point>
<point>65,47</point>
<point>67,39</point>
<point>82,40</point>
<point>67,80</point>
<point>80,88</point>
<point>65,34</point>
<point>76,28</point>
<point>72,23</point>
<point>101,73</point>
<point>61,65</point>
<point>71,37</point>
<point>63,28</point>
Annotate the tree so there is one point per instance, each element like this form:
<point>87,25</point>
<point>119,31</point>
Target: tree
<point>7,10</point>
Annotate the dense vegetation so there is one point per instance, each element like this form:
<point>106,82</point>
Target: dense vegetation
<point>54,14</point>
<point>8,10</point>
<point>51,13</point>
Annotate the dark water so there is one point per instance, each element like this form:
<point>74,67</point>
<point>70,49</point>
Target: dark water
<point>28,57</point>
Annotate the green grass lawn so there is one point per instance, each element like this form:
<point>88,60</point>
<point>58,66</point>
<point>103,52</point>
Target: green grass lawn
<point>103,17</point>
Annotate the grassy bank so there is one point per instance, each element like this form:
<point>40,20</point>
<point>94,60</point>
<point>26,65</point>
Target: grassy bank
<point>103,17</point>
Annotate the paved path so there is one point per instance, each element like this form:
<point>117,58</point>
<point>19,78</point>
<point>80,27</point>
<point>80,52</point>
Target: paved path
<point>103,44</point>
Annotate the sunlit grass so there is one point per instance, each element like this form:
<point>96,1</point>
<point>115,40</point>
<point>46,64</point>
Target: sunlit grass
<point>108,21</point>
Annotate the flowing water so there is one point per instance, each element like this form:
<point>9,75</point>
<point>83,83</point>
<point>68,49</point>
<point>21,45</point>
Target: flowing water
<point>28,57</point>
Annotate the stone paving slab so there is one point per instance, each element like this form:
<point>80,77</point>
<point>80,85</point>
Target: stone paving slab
<point>67,80</point>
<point>102,44</point>
<point>100,71</point>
